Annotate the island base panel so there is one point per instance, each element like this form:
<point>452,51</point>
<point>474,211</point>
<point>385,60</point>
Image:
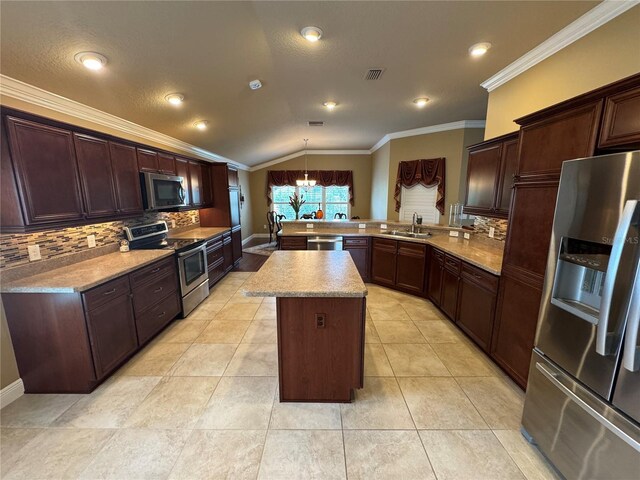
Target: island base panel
<point>320,348</point>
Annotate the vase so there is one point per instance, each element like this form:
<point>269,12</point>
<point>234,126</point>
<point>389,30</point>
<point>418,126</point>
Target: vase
<point>297,216</point>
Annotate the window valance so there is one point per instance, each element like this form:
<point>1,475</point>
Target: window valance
<point>429,173</point>
<point>324,178</point>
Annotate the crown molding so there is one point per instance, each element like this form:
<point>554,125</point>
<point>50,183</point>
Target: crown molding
<point>30,94</point>
<point>587,23</point>
<point>309,152</point>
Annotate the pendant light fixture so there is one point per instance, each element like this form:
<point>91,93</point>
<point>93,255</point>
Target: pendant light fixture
<point>306,183</point>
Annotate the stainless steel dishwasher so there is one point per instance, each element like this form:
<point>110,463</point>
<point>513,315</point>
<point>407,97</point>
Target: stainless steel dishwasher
<point>324,243</point>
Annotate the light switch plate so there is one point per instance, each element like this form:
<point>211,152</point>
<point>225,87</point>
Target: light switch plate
<point>34,252</point>
<point>467,236</point>
<point>173,224</point>
<point>91,241</point>
<point>453,233</point>
<point>492,232</point>
<point>362,225</point>
<point>309,225</point>
<point>383,226</point>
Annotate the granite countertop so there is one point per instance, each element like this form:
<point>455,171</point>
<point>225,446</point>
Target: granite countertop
<point>85,275</point>
<point>307,274</point>
<point>199,232</point>
<point>484,256</point>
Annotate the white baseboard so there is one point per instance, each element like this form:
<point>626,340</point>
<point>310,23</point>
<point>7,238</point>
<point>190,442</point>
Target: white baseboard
<point>255,235</point>
<point>11,393</point>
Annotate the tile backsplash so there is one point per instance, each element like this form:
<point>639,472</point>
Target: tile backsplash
<point>482,224</point>
<point>63,241</point>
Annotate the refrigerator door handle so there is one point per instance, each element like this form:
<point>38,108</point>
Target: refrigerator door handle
<point>553,378</point>
<point>610,278</point>
<point>631,358</point>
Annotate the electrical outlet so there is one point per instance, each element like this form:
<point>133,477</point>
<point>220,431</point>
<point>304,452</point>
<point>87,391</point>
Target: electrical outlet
<point>193,219</point>
<point>362,225</point>
<point>264,227</point>
<point>173,224</point>
<point>309,225</point>
<point>34,252</point>
<point>467,236</point>
<point>91,241</point>
<point>492,232</point>
<point>383,226</point>
<point>453,233</point>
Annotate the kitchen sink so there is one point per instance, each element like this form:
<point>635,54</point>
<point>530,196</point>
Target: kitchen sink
<point>399,233</point>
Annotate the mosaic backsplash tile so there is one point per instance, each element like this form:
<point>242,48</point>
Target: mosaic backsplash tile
<point>482,224</point>
<point>63,241</point>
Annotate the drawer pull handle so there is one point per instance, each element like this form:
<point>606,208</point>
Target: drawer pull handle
<point>113,290</point>
<point>477,275</point>
<point>155,270</point>
<point>158,290</point>
<point>161,314</point>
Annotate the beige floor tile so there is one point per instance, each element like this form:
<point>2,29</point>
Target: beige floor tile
<point>305,416</point>
<point>254,360</point>
<point>379,405</point>
<point>498,400</point>
<point>269,301</point>
<point>240,297</point>
<point>57,454</point>
<point>206,311</point>
<point>231,282</point>
<point>12,440</point>
<point>527,457</point>
<point>370,333</point>
<point>387,312</point>
<point>238,311</point>
<point>378,455</point>
<point>439,331</point>
<point>204,360</point>
<point>137,454</point>
<point>182,332</point>
<point>224,331</point>
<point>218,454</point>
<point>414,360</point>
<point>266,311</point>
<point>36,410</point>
<point>308,454</point>
<point>422,312</point>
<point>464,360</point>
<point>220,296</point>
<point>402,331</point>
<point>242,275</point>
<point>242,403</point>
<point>110,405</point>
<point>261,331</point>
<point>155,360</point>
<point>439,403</point>
<point>468,455</point>
<point>176,402</point>
<point>376,363</point>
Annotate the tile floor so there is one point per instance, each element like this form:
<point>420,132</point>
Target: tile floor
<point>201,402</point>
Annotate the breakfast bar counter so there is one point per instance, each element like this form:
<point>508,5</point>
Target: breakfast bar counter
<point>321,305</point>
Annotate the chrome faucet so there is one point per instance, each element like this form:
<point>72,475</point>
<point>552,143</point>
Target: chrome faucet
<point>413,222</point>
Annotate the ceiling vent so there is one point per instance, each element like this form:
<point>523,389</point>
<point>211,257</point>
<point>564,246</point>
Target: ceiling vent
<point>374,74</point>
<point>315,123</point>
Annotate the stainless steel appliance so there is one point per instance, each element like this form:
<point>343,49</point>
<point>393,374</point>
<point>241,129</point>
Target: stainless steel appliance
<point>324,243</point>
<point>191,257</point>
<point>162,191</point>
<point>582,404</point>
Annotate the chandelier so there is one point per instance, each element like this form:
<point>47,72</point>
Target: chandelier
<point>306,183</point>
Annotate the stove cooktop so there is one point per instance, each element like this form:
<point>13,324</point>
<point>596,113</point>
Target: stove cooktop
<point>171,244</point>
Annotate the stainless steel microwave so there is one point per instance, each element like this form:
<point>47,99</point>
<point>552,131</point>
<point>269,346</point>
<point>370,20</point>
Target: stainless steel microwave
<point>162,191</point>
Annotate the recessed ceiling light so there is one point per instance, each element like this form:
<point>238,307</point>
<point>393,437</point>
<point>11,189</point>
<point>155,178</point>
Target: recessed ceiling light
<point>91,60</point>
<point>421,102</point>
<point>313,34</point>
<point>175,98</point>
<point>201,125</point>
<point>330,105</point>
<point>479,49</point>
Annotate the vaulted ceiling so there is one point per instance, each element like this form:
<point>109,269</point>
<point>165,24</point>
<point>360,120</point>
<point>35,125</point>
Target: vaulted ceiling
<point>209,51</point>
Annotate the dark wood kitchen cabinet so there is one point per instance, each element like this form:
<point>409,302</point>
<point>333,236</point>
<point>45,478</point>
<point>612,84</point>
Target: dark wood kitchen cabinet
<point>621,122</point>
<point>436,270</point>
<point>227,251</point>
<point>384,253</point>
<point>411,267</point>
<point>126,179</point>
<point>166,163</point>
<point>360,250</point>
<point>147,160</point>
<point>215,259</point>
<point>96,176</point>
<point>195,183</point>
<point>236,244</point>
<point>477,294</point>
<point>450,282</point>
<point>293,243</point>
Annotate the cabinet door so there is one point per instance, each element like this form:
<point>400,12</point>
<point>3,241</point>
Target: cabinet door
<point>360,257</point>
<point>383,261</point>
<point>207,189</point>
<point>126,178</point>
<point>232,177</point>
<point>293,243</point>
<point>195,180</point>
<point>508,164</point>
<point>449,298</point>
<point>234,205</point>
<point>47,171</point>
<point>410,267</point>
<point>436,266</point>
<point>112,332</point>
<point>96,175</point>
<point>227,254</point>
<point>482,178</point>
<point>147,160</point>
<point>166,164</point>
<point>621,124</point>
<point>182,170</point>
<point>476,308</point>
<point>236,244</point>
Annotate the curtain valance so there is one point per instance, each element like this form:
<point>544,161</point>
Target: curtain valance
<point>429,173</point>
<point>324,178</point>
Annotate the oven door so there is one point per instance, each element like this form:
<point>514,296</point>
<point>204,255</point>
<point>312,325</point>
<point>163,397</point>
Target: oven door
<point>163,191</point>
<point>193,268</point>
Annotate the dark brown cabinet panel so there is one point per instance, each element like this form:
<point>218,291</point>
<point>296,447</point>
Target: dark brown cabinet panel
<point>436,268</point>
<point>112,332</point>
<point>236,244</point>
<point>207,187</point>
<point>482,175</point>
<point>45,162</point>
<point>450,281</point>
<point>154,291</point>
<point>411,267</point>
<point>360,251</point>
<point>157,317</point>
<point>166,164</point>
<point>621,123</point>
<point>195,183</point>
<point>476,304</point>
<point>96,175</point>
<point>126,178</point>
<point>182,170</point>
<point>508,165</point>
<point>147,160</point>
<point>227,253</point>
<point>233,178</point>
<point>293,243</point>
<point>384,261</point>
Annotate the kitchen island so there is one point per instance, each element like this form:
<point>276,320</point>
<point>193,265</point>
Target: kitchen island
<point>321,305</point>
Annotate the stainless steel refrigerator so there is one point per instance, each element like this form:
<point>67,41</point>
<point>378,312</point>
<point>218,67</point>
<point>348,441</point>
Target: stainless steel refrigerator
<point>582,404</point>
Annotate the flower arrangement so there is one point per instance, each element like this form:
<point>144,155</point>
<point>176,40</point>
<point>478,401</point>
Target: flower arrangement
<point>296,202</point>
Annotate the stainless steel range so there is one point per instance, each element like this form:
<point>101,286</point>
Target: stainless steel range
<point>191,256</point>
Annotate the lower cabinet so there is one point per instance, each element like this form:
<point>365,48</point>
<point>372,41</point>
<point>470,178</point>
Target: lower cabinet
<point>236,244</point>
<point>293,243</point>
<point>216,260</point>
<point>477,304</point>
<point>359,248</point>
<point>436,270</point>
<point>384,261</point>
<point>410,267</point>
<point>450,280</point>
<point>227,252</point>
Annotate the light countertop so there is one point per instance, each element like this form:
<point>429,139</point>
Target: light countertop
<point>199,232</point>
<point>307,274</point>
<point>87,274</point>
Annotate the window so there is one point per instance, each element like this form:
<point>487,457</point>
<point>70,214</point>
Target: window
<point>419,199</point>
<point>332,200</point>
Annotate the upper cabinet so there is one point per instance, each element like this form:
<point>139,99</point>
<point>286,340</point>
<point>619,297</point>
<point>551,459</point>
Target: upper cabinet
<point>166,164</point>
<point>490,171</point>
<point>126,178</point>
<point>621,124</point>
<point>195,180</point>
<point>147,160</point>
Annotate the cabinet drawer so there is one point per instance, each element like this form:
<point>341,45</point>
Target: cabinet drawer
<point>412,249</point>
<point>102,294</point>
<point>214,253</point>
<point>215,242</point>
<point>479,276</point>
<point>152,272</point>
<point>293,243</point>
<point>452,264</point>
<point>216,271</point>
<point>437,255</point>
<point>355,242</point>
<point>153,292</point>
<point>152,321</point>
<point>384,244</point>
